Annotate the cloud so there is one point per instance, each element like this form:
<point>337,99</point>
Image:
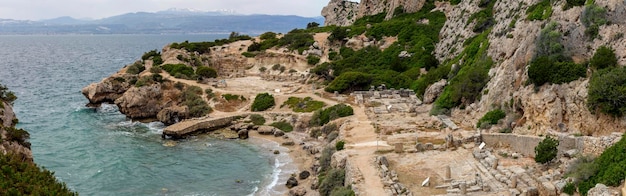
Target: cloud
<point>45,9</point>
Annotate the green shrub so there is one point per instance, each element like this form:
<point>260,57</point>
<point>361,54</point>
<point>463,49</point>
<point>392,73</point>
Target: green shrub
<point>6,95</point>
<point>572,3</point>
<point>263,102</point>
<point>342,191</point>
<point>483,18</point>
<point>205,47</point>
<point>206,72</point>
<point>312,59</point>
<point>249,54</point>
<point>268,35</point>
<point>151,53</point>
<point>193,100</point>
<point>582,169</point>
<point>179,70</point>
<point>325,158</point>
<point>492,117</point>
<point>611,166</point>
<point>546,150</point>
<point>593,17</point>
<point>540,11</point>
<point>339,145</point>
<point>257,119</point>
<point>603,58</point>
<point>306,104</point>
<point>543,70</point>
<point>335,178</point>
<point>18,135</point>
<point>321,117</point>
<point>296,39</point>
<point>606,92</point>
<point>135,68</point>
<point>231,97</point>
<point>262,69</point>
<point>156,69</point>
<point>337,34</point>
<point>25,178</point>
<point>569,188</point>
<point>283,125</point>
<point>350,81</point>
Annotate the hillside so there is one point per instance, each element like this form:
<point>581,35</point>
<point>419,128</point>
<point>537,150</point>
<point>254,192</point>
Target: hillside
<point>501,72</point>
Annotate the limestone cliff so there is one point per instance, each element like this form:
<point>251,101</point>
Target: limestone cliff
<point>344,12</point>
<point>12,140</point>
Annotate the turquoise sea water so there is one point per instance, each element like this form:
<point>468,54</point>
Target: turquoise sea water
<point>100,152</point>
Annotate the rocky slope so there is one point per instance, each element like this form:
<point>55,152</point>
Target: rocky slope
<point>9,143</point>
<point>344,13</point>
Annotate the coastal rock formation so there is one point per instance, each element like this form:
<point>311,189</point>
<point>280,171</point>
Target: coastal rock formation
<point>7,116</point>
<point>108,90</point>
<point>10,144</point>
<point>142,102</point>
<point>173,114</point>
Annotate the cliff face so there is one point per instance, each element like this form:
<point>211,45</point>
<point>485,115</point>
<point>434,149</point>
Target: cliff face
<point>12,140</point>
<point>535,110</point>
<point>344,13</point>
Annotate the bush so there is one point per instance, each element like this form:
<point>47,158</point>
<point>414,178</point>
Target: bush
<point>603,58</point>
<point>335,178</point>
<point>582,169</point>
<point>611,166</point>
<point>321,117</point>
<point>606,92</point>
<point>282,125</point>
<point>179,70</point>
<point>6,95</point>
<point>257,119</point>
<point>339,145</point>
<point>546,150</point>
<point>312,59</point>
<point>593,17</point>
<point>18,135</point>
<point>325,159</point>
<point>262,69</point>
<point>231,97</point>
<point>306,104</point>
<point>572,3</point>
<point>263,102</point>
<point>492,117</point>
<point>206,72</point>
<point>268,35</point>
<point>249,54</point>
<point>483,18</point>
<point>193,100</point>
<point>540,11</point>
<point>543,70</point>
<point>25,178</point>
<point>156,69</point>
<point>135,68</point>
<point>350,81</point>
<point>569,188</point>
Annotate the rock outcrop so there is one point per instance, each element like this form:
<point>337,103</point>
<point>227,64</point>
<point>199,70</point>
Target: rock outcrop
<point>344,13</point>
<point>106,91</point>
<point>9,145</point>
<point>142,102</point>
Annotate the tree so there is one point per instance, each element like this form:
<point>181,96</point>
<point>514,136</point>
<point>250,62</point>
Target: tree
<point>549,43</point>
<point>546,150</point>
<point>263,102</point>
<point>603,58</point>
<point>312,25</point>
<point>6,95</point>
<point>206,72</point>
<point>607,92</point>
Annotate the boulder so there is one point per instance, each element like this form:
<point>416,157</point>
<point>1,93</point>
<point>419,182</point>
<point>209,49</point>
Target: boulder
<point>278,133</point>
<point>266,130</point>
<point>304,175</point>
<point>599,190</point>
<point>243,134</point>
<point>143,102</point>
<point>173,114</point>
<point>299,191</point>
<point>288,143</point>
<point>433,91</point>
<point>292,182</point>
<point>108,90</point>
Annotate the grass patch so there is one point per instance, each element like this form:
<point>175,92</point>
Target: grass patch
<point>306,104</point>
<point>283,125</point>
<point>257,119</point>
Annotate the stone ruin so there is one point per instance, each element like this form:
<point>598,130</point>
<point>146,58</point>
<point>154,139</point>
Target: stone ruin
<point>383,101</point>
<point>390,179</point>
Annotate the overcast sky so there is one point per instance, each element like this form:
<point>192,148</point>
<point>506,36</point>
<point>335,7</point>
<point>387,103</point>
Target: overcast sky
<point>96,9</point>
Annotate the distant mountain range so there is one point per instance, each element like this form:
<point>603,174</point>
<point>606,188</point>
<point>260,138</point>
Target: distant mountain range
<point>172,21</point>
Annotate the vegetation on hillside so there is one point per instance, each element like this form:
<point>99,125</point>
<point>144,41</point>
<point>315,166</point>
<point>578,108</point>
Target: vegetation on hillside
<point>262,102</point>
<point>205,47</point>
<point>25,178</point>
<point>283,125</point>
<point>323,116</point>
<point>306,104</point>
<point>540,11</point>
<point>192,98</point>
<point>546,150</point>
<point>491,118</point>
<point>6,95</point>
<point>593,17</point>
<point>551,63</point>
<point>608,169</point>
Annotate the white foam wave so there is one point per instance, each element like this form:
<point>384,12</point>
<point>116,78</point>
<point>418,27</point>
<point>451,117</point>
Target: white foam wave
<point>107,108</point>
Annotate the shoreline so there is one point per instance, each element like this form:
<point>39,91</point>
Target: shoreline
<point>295,161</point>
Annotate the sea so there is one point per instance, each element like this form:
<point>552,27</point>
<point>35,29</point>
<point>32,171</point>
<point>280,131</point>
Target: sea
<point>98,151</point>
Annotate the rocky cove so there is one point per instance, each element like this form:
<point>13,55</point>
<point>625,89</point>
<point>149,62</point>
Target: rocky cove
<point>422,138</point>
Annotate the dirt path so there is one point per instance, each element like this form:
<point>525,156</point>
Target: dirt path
<point>362,141</point>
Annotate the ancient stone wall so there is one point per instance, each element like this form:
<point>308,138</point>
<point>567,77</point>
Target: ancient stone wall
<point>525,144</point>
